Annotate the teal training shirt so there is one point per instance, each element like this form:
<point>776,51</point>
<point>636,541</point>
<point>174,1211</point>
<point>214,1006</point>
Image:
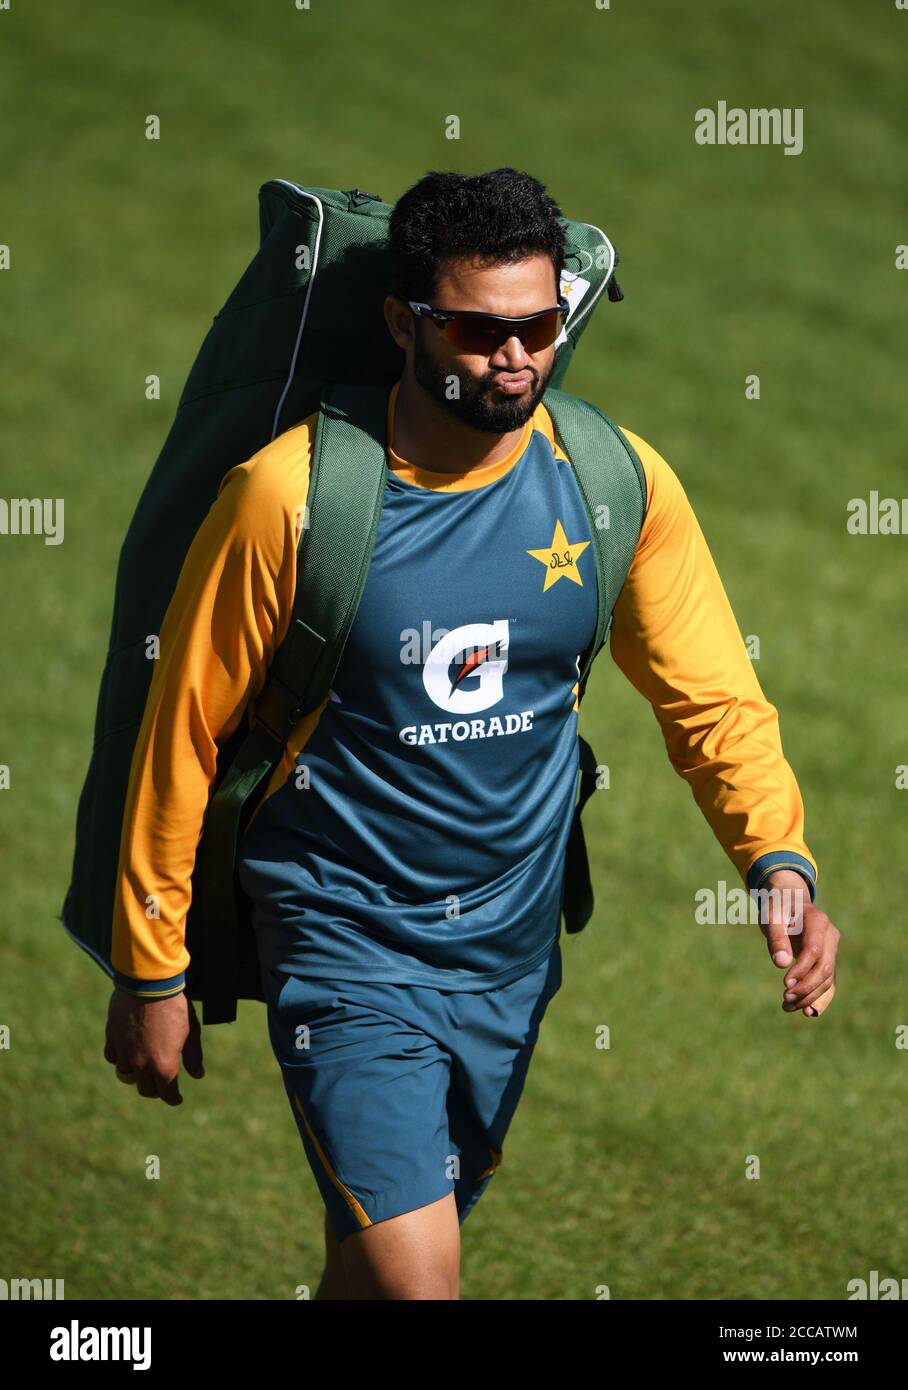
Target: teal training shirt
<point>421,839</point>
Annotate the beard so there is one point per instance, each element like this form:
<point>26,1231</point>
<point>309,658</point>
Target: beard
<point>476,405</point>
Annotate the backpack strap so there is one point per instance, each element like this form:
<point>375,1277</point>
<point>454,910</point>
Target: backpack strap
<point>346,491</point>
<point>613,487</point>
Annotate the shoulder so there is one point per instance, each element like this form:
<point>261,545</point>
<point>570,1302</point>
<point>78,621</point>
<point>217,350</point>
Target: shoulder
<point>669,520</point>
<point>272,485</point>
<point>663,487</point>
<point>662,483</point>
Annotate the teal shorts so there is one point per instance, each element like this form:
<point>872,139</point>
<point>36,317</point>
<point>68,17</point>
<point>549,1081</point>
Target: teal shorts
<point>402,1093</point>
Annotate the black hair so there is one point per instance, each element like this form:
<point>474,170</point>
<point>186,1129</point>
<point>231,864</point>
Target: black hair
<point>499,217</point>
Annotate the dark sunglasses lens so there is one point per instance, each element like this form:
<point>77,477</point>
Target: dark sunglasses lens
<point>481,334</point>
<point>542,332</point>
<point>484,333</point>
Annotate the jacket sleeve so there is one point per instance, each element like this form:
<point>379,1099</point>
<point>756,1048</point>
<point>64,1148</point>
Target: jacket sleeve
<point>675,637</point>
<point>229,613</point>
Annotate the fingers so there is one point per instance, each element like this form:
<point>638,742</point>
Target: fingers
<point>807,973</point>
<point>112,1056</point>
<point>812,975</point>
<point>122,1062</point>
<point>820,1005</point>
<point>136,1071</point>
<point>143,1042</point>
<point>169,1091</point>
<point>781,917</point>
<point>779,943</point>
<point>124,1070</point>
<point>146,1084</point>
<point>791,1005</point>
<point>802,940</point>
<point>153,1084</point>
<point>810,953</point>
<point>192,1048</point>
<point>115,1051</point>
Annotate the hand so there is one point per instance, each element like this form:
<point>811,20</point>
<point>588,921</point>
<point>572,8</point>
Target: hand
<point>144,1041</point>
<point>807,950</point>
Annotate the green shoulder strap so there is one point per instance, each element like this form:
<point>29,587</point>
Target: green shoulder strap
<point>613,486</point>
<point>346,491</point>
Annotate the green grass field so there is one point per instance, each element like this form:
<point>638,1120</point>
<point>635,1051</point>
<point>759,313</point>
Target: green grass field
<point>624,1167</point>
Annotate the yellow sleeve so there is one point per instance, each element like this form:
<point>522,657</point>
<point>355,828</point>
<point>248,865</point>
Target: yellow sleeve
<point>228,615</point>
<point>675,637</point>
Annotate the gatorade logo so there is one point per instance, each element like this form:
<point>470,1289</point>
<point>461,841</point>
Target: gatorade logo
<point>464,672</point>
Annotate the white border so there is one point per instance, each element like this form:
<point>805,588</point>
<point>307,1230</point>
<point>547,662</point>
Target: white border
<point>299,337</point>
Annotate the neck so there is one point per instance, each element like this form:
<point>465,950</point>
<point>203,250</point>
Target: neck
<point>431,437</point>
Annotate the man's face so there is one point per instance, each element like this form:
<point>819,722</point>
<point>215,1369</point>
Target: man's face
<point>483,402</point>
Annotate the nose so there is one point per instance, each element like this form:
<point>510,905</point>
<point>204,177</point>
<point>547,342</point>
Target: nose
<point>511,356</point>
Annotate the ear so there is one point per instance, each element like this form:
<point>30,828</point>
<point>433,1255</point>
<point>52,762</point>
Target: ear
<point>400,321</point>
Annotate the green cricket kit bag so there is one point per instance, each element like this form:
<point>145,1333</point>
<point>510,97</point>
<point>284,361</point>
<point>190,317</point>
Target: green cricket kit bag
<point>304,331</point>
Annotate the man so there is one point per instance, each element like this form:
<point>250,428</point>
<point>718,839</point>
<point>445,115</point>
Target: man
<point>406,862</point>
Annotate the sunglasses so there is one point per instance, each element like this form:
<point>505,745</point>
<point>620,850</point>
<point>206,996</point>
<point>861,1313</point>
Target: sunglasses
<point>468,331</point>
